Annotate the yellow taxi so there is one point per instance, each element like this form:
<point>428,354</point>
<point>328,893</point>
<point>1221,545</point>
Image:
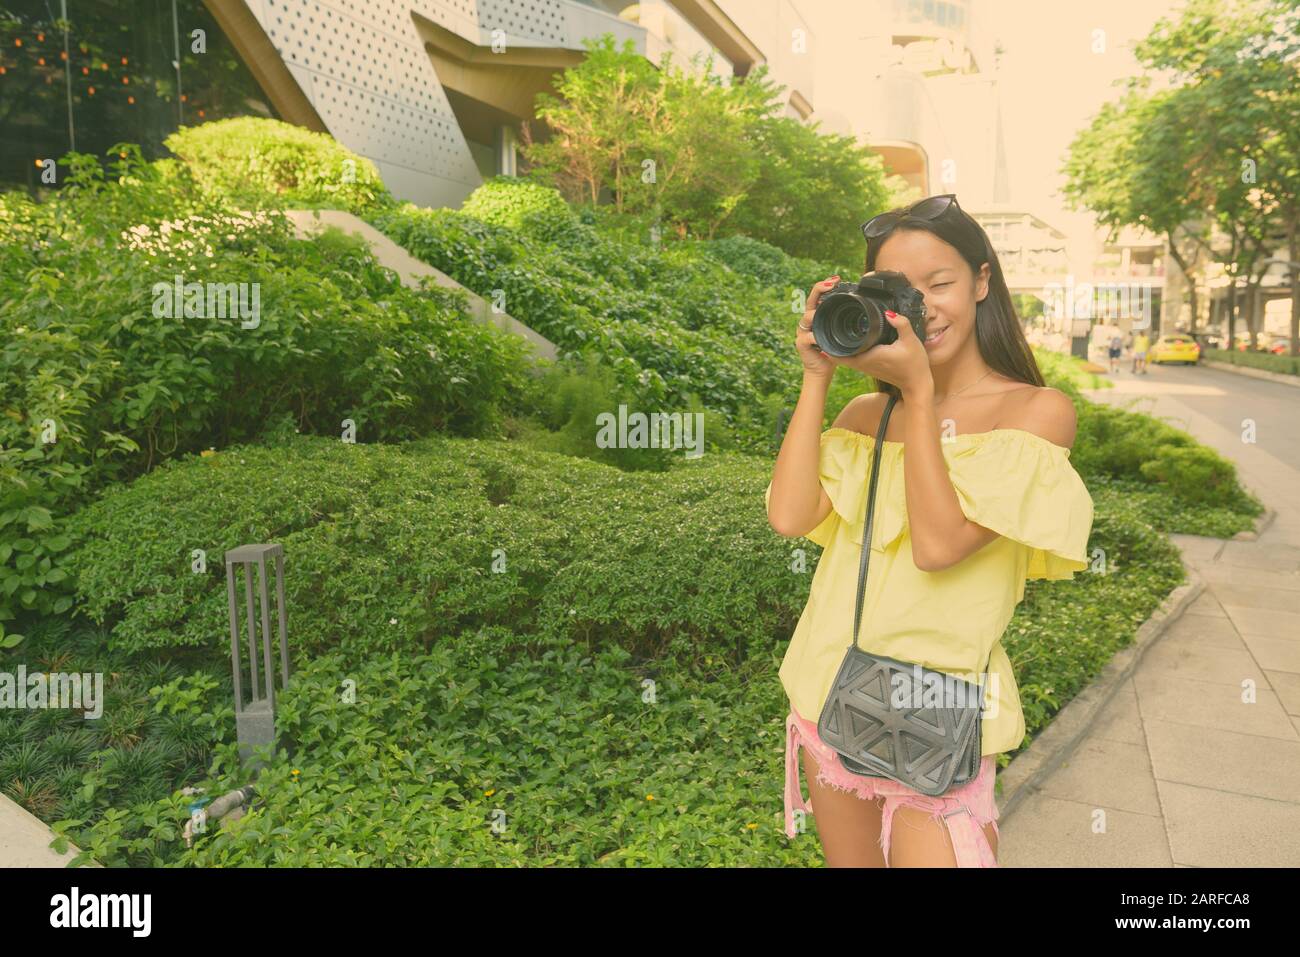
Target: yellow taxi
<point>1175,348</point>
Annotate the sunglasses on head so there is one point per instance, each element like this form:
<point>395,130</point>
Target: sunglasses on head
<point>928,209</point>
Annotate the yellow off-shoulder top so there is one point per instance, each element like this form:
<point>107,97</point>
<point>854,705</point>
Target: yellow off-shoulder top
<point>1011,481</point>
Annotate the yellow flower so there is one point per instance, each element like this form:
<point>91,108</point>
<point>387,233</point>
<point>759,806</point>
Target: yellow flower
<point>649,797</point>
<point>489,793</point>
<point>206,452</point>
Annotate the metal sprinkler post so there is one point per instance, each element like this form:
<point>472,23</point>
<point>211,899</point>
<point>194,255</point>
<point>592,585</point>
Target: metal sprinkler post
<point>255,722</point>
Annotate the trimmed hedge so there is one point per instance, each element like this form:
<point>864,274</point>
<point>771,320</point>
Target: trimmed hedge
<point>522,206</point>
<point>393,548</point>
<point>263,163</point>
<point>1283,365</point>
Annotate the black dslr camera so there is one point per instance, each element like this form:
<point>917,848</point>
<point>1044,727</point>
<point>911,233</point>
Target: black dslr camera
<point>850,318</point>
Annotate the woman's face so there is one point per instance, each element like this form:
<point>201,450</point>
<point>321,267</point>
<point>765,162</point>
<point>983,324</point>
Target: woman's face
<point>950,289</point>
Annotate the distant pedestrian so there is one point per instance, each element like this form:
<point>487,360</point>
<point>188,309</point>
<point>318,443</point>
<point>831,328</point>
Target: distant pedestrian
<point>1116,344</point>
<point>1140,346</point>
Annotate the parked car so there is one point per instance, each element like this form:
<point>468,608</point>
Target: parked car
<point>1179,347</point>
<point>1207,340</point>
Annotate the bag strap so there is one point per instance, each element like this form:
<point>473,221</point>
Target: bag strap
<point>866,532</point>
<point>871,511</point>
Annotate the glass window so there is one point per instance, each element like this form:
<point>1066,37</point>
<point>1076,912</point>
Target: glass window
<point>113,79</point>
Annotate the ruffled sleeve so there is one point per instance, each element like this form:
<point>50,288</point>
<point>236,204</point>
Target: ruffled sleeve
<point>1023,487</point>
<point>845,463</point>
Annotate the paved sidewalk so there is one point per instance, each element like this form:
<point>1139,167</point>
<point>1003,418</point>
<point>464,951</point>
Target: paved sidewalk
<point>1179,769</point>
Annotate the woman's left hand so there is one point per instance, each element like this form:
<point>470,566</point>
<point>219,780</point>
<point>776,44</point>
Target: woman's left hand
<point>902,362</point>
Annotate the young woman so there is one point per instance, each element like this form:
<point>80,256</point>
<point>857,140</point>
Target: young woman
<point>976,495</point>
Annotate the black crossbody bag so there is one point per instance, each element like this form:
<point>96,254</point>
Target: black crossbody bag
<point>880,716</point>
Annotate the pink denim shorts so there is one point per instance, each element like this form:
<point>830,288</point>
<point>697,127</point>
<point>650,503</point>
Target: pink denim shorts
<point>965,810</point>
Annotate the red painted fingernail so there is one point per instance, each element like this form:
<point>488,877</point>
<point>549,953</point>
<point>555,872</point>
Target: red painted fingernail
<point>890,312</point>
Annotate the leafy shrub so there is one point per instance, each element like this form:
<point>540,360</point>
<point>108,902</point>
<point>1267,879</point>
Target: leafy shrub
<point>1063,370</point>
<point>265,162</point>
<point>1267,361</point>
<point>765,264</point>
<point>669,324</point>
<point>1131,451</point>
<point>1197,474</point>
<point>394,547</point>
<point>434,763</point>
<point>390,591</point>
<point>539,211</point>
<point>578,401</point>
<point>101,385</point>
<point>158,725</point>
<point>1116,442</point>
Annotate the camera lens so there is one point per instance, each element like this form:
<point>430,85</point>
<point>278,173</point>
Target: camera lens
<point>847,323</point>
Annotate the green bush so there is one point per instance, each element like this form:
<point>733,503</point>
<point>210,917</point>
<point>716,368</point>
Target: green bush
<point>576,400</point>
<point>431,759</point>
<point>539,211</point>
<point>1197,474</point>
<point>101,384</point>
<point>395,548</point>
<point>263,162</point>
<point>160,721</point>
<point>669,323</point>
<point>393,590</point>
<point>1141,454</point>
<point>766,264</point>
<point>1061,368</point>
<point>1284,365</point>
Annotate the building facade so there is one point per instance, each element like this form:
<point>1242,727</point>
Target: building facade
<point>432,91</point>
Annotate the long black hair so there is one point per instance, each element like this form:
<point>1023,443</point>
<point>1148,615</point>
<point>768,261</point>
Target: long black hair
<point>998,334</point>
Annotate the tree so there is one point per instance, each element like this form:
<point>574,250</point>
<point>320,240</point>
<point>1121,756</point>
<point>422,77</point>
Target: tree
<point>697,166</point>
<point>596,124</point>
<point>702,156</point>
<point>1236,64</point>
<point>1218,147</point>
<point>813,193</point>
<point>1128,166</point>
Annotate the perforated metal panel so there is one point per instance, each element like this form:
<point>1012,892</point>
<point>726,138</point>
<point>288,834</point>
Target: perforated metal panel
<point>363,67</point>
<point>364,71</point>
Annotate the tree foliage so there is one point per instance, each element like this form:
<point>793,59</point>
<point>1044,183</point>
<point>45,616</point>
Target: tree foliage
<point>1211,157</point>
<point>702,157</point>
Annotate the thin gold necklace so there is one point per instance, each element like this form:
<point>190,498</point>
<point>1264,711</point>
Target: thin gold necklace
<point>964,388</point>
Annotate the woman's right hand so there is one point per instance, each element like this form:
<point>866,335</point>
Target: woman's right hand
<point>815,362</point>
